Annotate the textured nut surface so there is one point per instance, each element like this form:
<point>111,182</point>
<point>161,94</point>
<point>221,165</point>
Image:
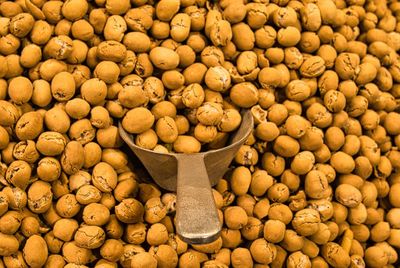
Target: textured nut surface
<point>315,184</point>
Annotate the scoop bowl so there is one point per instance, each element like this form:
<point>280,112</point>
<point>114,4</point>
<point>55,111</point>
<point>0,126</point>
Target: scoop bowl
<point>191,176</point>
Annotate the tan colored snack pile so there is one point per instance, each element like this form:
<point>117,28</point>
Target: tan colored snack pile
<point>317,183</point>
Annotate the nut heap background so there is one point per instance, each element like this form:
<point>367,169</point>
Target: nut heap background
<point>316,185</point>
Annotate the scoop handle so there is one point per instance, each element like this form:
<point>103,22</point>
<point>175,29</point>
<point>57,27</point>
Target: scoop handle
<point>197,220</point>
